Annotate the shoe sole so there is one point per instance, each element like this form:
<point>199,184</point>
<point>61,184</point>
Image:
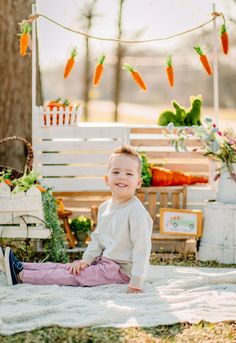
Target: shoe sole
<point>7,266</point>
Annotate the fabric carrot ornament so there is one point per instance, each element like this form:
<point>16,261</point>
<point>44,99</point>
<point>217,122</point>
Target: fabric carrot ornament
<point>24,38</point>
<point>224,39</point>
<point>70,63</point>
<point>203,59</point>
<point>136,76</point>
<point>97,76</point>
<point>170,71</point>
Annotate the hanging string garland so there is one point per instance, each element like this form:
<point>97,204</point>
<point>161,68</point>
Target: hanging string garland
<point>25,40</point>
<point>37,15</point>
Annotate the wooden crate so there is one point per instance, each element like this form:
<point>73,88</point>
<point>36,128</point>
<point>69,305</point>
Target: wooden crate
<point>21,214</point>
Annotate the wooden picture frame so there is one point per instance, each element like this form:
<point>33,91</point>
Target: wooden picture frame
<point>181,222</point>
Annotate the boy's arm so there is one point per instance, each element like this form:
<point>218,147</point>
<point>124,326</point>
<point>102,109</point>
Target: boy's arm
<point>94,248</point>
<point>140,233</point>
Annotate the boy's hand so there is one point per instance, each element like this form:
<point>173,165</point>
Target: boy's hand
<point>75,267</point>
<point>134,290</point>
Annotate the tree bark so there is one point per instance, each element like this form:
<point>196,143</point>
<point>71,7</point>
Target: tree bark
<point>15,95</point>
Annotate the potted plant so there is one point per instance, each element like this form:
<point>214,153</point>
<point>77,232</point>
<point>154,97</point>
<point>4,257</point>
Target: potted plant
<point>217,145</point>
<point>81,226</point>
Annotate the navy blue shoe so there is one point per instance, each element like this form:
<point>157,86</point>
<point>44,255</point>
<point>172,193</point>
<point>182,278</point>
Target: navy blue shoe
<point>13,267</point>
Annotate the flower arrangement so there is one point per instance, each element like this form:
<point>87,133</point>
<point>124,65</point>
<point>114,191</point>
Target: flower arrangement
<point>217,145</point>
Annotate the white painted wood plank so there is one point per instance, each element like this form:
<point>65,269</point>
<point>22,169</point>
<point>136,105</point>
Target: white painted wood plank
<point>58,158</point>
<point>5,190</point>
<point>72,170</point>
<point>5,217</point>
<point>103,144</point>
<point>76,184</point>
<point>200,194</point>
<point>84,131</point>
<point>21,204</point>
<point>23,232</point>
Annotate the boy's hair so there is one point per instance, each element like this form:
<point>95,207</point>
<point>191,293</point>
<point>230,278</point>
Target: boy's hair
<point>128,151</point>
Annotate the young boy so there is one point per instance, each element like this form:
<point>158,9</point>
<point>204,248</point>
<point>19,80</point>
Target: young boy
<point>120,246</point>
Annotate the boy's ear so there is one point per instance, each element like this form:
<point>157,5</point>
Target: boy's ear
<point>106,179</point>
<point>140,181</point>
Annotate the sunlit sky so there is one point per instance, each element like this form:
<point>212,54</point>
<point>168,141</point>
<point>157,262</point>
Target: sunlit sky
<point>158,18</point>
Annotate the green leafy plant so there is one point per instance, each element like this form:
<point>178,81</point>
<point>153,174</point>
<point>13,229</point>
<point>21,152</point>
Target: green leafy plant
<point>55,248</point>
<point>146,171</point>
<point>25,182</point>
<point>81,223</point>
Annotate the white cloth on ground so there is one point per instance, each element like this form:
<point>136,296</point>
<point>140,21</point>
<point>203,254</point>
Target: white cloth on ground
<point>172,294</point>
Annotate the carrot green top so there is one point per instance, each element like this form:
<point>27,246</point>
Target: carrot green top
<point>66,102</point>
<point>25,28</point>
<point>199,50</point>
<point>128,67</point>
<point>101,59</point>
<point>73,53</point>
<point>169,61</point>
<point>223,29</point>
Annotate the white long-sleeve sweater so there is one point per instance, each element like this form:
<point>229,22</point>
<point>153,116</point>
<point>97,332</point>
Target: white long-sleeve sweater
<point>123,234</point>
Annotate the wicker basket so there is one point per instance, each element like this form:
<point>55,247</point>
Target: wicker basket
<point>16,174</point>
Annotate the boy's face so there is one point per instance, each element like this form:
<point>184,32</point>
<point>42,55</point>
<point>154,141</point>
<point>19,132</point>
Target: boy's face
<point>123,177</point>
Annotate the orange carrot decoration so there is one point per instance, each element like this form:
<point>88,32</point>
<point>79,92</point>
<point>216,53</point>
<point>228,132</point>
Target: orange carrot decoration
<point>41,189</point>
<point>24,38</point>
<point>224,39</point>
<point>99,70</point>
<point>8,182</point>
<point>170,71</point>
<point>136,76</point>
<point>204,60</point>
<point>70,63</point>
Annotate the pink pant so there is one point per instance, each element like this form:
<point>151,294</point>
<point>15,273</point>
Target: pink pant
<point>101,272</point>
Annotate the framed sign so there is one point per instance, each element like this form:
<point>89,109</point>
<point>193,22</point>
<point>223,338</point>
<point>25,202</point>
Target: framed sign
<point>180,222</point>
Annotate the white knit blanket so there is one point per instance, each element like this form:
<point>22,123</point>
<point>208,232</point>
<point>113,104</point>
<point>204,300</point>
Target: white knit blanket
<point>172,294</point>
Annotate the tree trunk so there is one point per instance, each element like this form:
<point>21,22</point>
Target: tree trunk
<point>15,95</point>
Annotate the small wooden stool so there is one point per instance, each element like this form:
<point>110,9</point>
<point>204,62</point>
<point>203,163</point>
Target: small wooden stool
<point>63,215</point>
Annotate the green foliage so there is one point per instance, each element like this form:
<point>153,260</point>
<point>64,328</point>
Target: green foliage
<point>181,116</point>
<point>25,182</point>
<point>55,248</point>
<point>146,171</point>
<point>81,223</point>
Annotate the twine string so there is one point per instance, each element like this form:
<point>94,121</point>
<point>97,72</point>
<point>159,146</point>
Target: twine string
<point>37,15</point>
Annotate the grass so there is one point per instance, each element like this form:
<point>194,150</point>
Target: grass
<point>180,333</point>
